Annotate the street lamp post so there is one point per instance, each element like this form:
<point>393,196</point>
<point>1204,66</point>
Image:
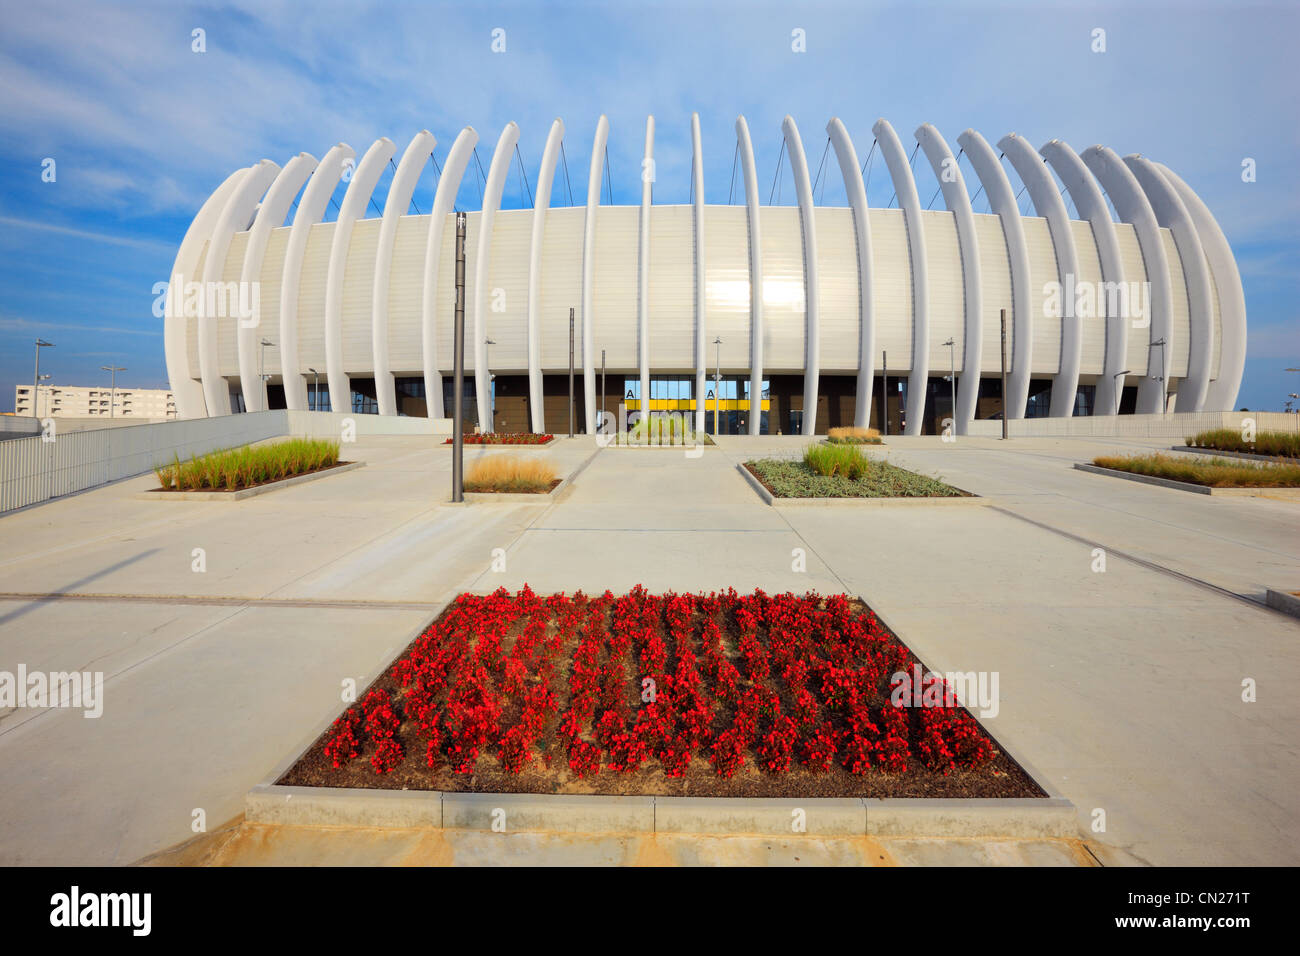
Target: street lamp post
<point>36,379</point>
<point>717,384</point>
<point>492,392</point>
<point>1118,376</point>
<point>1164,386</point>
<point>314,404</point>
<point>112,401</point>
<point>952,379</point>
<point>261,372</point>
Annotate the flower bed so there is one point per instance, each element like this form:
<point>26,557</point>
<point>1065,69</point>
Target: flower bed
<point>851,435</point>
<point>678,694</point>
<point>506,474</point>
<point>234,469</point>
<point>786,478</point>
<point>505,438</point>
<point>1274,444</point>
<point>1224,473</point>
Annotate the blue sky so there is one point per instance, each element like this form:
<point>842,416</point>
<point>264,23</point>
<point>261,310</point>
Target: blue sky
<point>142,128</point>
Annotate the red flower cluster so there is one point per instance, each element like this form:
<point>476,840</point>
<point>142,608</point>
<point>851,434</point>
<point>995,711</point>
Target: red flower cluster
<point>504,438</point>
<point>628,682</point>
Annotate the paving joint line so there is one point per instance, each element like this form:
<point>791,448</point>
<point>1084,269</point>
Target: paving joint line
<point>1142,562</point>
<point>214,600</point>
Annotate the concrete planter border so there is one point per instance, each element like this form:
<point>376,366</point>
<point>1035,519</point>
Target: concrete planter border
<point>970,501</point>
<point>522,497</point>
<point>1244,455</point>
<point>1042,817</point>
<point>1188,486</point>
<point>247,492</point>
<point>1283,601</point>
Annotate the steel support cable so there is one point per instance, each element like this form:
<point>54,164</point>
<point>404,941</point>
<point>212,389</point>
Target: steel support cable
<point>910,165</point>
<point>820,167</point>
<point>776,177</point>
<point>732,188</point>
<point>524,173</point>
<point>609,176</point>
<point>867,166</point>
<point>568,185</point>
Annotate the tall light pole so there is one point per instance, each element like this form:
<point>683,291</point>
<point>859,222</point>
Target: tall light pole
<point>952,378</point>
<point>112,401</point>
<point>1164,386</point>
<point>717,384</point>
<point>492,390</point>
<point>261,372</point>
<point>1118,390</point>
<point>458,369</point>
<point>602,389</point>
<point>314,404</point>
<point>884,390</point>
<point>36,378</point>
<point>571,408</point>
<point>1002,321</point>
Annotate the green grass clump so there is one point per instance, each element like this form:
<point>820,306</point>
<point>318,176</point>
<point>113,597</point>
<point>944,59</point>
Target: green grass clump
<point>831,460</point>
<point>663,428</point>
<point>834,475</point>
<point>234,468</point>
<point>1276,444</point>
<point>1213,473</point>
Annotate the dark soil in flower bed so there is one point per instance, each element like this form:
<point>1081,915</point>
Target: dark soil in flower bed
<point>503,438</point>
<point>515,491</point>
<point>793,479</point>
<point>677,695</point>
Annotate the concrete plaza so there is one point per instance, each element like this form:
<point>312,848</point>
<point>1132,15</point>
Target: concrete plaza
<point>1123,688</point>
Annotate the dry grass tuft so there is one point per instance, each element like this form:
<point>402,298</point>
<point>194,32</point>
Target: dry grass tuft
<point>851,435</point>
<point>1224,473</point>
<point>507,474</point>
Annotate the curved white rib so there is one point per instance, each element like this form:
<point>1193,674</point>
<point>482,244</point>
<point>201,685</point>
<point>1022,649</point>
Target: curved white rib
<point>955,196</point>
<point>496,180</point>
<point>755,279</point>
<point>697,178</point>
<point>444,202</point>
<point>594,175</point>
<point>643,266</point>
<point>275,206</point>
<point>1222,392</point>
<point>1173,215</point>
<point>188,392</point>
<point>1091,205</point>
<point>400,192</point>
<point>1003,202</point>
<point>812,299</point>
<point>550,155</point>
<point>1132,205</point>
<point>235,217</point>
<point>352,208</point>
<point>310,210</point>
<point>900,171</point>
<point>1048,203</point>
<point>851,171</point>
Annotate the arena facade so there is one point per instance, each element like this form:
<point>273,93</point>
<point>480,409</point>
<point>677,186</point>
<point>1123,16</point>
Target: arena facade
<point>861,313</point>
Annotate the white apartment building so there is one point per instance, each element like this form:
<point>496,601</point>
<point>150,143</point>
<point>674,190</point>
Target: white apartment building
<point>76,401</point>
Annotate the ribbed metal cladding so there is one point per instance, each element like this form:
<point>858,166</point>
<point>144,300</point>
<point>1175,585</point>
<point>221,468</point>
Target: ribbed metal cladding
<point>789,289</point>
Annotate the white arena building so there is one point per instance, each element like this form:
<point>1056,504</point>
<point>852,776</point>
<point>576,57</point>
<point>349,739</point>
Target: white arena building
<point>1136,310</point>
